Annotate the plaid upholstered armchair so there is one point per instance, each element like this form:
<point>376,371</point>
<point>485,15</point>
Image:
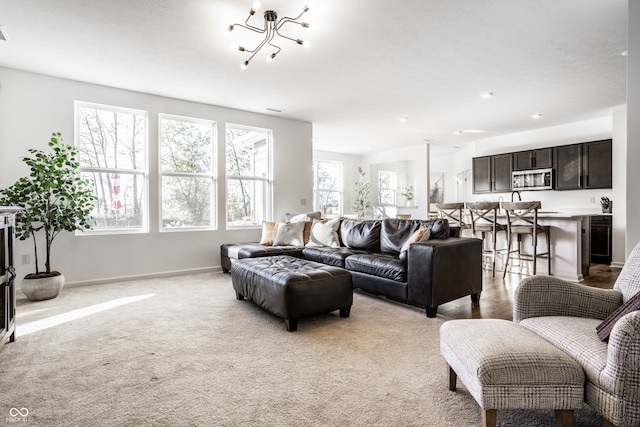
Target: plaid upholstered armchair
<point>567,315</point>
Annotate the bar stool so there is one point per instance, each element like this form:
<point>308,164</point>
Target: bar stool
<point>484,219</point>
<point>453,212</point>
<point>522,219</point>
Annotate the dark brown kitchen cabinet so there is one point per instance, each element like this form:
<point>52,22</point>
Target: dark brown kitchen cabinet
<point>567,162</point>
<point>600,241</point>
<point>597,164</point>
<point>533,159</point>
<point>586,165</point>
<point>7,274</point>
<point>481,174</point>
<point>492,174</point>
<point>501,168</point>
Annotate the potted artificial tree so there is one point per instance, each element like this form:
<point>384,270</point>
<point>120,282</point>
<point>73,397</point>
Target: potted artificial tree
<point>55,198</point>
<point>361,204</point>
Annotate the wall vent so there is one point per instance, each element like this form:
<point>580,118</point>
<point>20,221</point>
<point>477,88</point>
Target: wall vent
<point>3,34</point>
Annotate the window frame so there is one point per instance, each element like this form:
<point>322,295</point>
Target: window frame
<point>392,188</point>
<point>340,185</point>
<point>268,180</point>
<point>144,228</point>
<point>212,175</point>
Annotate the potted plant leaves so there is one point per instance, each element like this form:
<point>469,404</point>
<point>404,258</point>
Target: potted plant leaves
<point>55,198</point>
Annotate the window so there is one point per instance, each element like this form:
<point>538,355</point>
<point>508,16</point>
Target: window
<point>187,178</point>
<point>112,145</point>
<point>327,188</point>
<point>248,164</point>
<point>387,187</point>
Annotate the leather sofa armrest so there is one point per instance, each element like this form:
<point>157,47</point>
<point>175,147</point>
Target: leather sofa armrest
<point>441,270</point>
<point>541,295</point>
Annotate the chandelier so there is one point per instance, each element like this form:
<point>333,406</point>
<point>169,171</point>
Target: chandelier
<point>272,27</point>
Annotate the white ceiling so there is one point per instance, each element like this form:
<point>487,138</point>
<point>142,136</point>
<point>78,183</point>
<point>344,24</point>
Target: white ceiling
<point>371,61</point>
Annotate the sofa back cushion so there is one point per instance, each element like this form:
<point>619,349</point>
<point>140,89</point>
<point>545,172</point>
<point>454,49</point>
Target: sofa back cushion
<point>361,234</point>
<point>395,232</point>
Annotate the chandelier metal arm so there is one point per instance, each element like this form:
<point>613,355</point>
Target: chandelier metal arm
<point>272,25</point>
<point>289,38</point>
<point>250,27</point>
<point>265,41</point>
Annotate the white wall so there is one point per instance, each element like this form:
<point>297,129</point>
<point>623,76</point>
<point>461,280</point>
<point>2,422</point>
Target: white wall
<point>633,127</point>
<point>32,106</point>
<point>619,218</point>
<point>419,155</point>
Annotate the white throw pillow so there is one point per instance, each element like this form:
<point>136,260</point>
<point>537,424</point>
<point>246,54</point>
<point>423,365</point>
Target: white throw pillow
<point>301,217</point>
<point>289,234</point>
<point>324,233</point>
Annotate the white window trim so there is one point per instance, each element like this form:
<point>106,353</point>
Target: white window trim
<point>145,172</point>
<point>213,175</point>
<point>317,191</point>
<point>268,179</point>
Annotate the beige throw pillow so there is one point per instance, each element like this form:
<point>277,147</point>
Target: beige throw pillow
<point>269,230</point>
<point>420,235</point>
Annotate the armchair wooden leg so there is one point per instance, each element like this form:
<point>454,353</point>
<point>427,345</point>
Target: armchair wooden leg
<point>607,423</point>
<point>489,417</point>
<point>564,418</point>
<point>453,377</point>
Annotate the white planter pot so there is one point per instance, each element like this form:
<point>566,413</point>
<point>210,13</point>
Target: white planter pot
<point>42,288</point>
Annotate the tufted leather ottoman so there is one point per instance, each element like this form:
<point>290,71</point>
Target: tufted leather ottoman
<point>505,366</point>
<point>292,287</point>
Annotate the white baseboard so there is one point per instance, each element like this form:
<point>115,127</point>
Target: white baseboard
<point>141,276</point>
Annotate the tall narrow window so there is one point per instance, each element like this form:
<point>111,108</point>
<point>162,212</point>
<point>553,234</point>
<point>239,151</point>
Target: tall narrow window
<point>187,178</point>
<point>387,187</point>
<point>112,143</point>
<point>249,182</point>
<point>327,188</point>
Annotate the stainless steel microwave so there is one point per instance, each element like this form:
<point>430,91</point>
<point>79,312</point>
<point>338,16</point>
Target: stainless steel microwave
<point>538,179</point>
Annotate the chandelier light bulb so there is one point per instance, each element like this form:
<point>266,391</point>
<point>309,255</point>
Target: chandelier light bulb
<point>230,29</point>
<point>271,57</point>
<point>244,65</point>
<point>256,5</point>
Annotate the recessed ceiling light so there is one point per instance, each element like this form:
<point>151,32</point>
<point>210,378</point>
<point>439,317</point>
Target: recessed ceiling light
<point>459,132</point>
<point>404,119</point>
<point>274,110</point>
<point>625,53</point>
<point>536,116</point>
<point>486,95</point>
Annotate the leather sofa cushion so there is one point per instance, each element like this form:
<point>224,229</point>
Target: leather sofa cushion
<point>395,232</point>
<point>255,250</point>
<point>329,256</point>
<point>364,235</point>
<point>386,266</point>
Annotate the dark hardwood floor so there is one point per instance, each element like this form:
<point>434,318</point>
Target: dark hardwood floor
<point>496,301</point>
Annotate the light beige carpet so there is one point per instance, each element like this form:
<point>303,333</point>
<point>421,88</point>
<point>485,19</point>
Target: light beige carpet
<point>183,351</point>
